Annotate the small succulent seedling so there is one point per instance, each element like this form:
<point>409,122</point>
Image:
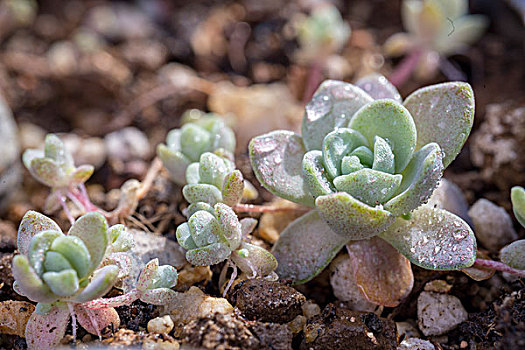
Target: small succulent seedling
<point>322,33</point>
<point>204,132</point>
<point>514,254</point>
<point>367,165</point>
<point>435,29</point>
<point>61,272</point>
<point>215,234</point>
<point>54,167</point>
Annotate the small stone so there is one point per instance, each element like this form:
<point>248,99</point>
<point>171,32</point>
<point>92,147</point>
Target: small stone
<point>90,150</point>
<point>9,149</point>
<point>267,301</point>
<point>407,330</point>
<point>463,344</point>
<point>160,344</point>
<point>448,196</point>
<point>160,325</point>
<point>149,246</point>
<point>345,287</point>
<point>297,324</point>
<point>273,335</point>
<point>311,309</point>
<point>439,313</point>
<point>492,225</point>
<point>416,344</point>
<point>128,144</point>
<point>438,286</point>
<point>31,135</point>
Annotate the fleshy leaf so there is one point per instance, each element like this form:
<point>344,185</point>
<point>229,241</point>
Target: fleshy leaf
<point>28,282</point>
<point>204,228</point>
<point>63,283</point>
<point>369,186</point>
<point>184,236</point>
<point>383,156</point>
<point>192,173</point>
<point>202,193</point>
<point>82,173</point>
<point>305,248</point>
<point>147,275</point>
<point>276,160</point>
<point>92,229</point>
<point>175,162</point>
<point>47,171</point>
<point>38,248</point>
<point>365,155</point>
<point>210,255</point>
<point>338,144</point>
<point>31,224</point>
<point>121,240</point>
<point>255,257</point>
<point>104,318</point>
<point>517,197</point>
<point>165,277</point>
<point>467,30</point>
<point>213,169</point>
<point>433,239</point>
<point>55,262</point>
<point>315,176</point>
<point>349,164</point>
<point>332,106</point>
<point>46,331</point>
<point>351,218</point>
<point>230,227</point>
<point>514,254</point>
<point>247,225</point>
<point>159,296</point>
<point>443,114</point>
<point>420,178</point>
<point>102,281</point>
<point>75,251</point>
<point>31,154</point>
<point>55,149</point>
<point>194,141</point>
<point>195,207</point>
<point>233,188</point>
<point>382,274</point>
<point>392,122</point>
<point>378,87</point>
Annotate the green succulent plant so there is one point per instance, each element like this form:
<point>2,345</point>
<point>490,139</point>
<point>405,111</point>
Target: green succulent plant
<point>514,254</point>
<point>367,166</point>
<point>214,235</point>
<point>63,272</point>
<point>203,132</point>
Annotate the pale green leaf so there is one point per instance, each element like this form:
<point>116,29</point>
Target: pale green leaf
<point>254,258</point>
<point>378,87</point>
<point>175,162</point>
<point>63,283</point>
<point>517,196</point>
<point>210,255</point>
<point>204,228</point>
<point>194,193</point>
<point>514,254</point>
<point>92,229</point>
<point>336,145</point>
<point>28,282</point>
<point>315,176</point>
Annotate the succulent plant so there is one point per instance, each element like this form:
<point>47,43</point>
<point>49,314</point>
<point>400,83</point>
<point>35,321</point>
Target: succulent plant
<point>62,272</point>
<point>435,29</point>
<point>204,132</point>
<point>215,234</point>
<point>367,165</point>
<point>513,255</point>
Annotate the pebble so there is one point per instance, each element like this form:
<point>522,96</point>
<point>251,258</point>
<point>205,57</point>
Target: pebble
<point>448,196</point>
<point>90,150</point>
<point>492,225</point>
<point>161,325</point>
<point>9,149</point>
<point>149,246</point>
<point>128,144</point>
<point>416,344</point>
<point>407,330</point>
<point>439,313</point>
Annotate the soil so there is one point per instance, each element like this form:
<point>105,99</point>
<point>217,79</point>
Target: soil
<point>74,69</point>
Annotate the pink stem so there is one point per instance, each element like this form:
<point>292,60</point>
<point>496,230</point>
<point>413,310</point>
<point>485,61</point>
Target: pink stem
<point>498,266</point>
<point>315,76</point>
<point>405,68</point>
<point>232,279</point>
<point>73,320</point>
<point>66,210</point>
<point>104,303</point>
<point>87,202</point>
<point>450,70</point>
<point>252,208</point>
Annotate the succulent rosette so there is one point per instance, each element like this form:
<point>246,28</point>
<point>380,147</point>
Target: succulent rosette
<point>214,235</point>
<point>367,166</point>
<point>203,132</point>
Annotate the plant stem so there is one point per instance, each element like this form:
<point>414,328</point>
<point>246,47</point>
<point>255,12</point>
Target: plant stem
<point>498,266</point>
<point>252,208</point>
<point>315,76</point>
<point>152,173</point>
<point>405,68</point>
<point>66,210</point>
<point>450,70</point>
<point>73,320</point>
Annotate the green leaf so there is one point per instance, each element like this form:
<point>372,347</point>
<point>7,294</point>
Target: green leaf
<point>332,106</point>
<point>255,257</point>
<point>467,30</point>
<point>121,240</point>
<point>101,283</point>
<point>383,156</point>
<point>92,229</point>
<point>517,197</point>
<point>210,255</point>
<point>55,262</point>
<point>47,172</point>
<point>75,251</point>
<point>165,277</point>
<point>378,87</point>
<point>514,254</point>
<point>194,193</point>
<point>315,176</point>
<point>233,188</point>
<point>175,162</point>
<point>351,218</point>
<point>63,283</point>
<point>276,160</point>
<point>204,228</point>
<point>349,164</point>
<point>365,155</point>
<point>305,248</point>
<point>338,144</point>
<point>28,283</point>
<point>443,114</point>
<point>173,139</point>
<point>38,248</point>
<point>433,239</point>
<point>192,173</point>
<point>184,236</point>
<point>195,207</point>
<point>31,224</point>
<point>194,141</point>
<point>213,169</point>
<point>81,174</point>
<point>248,225</point>
<point>159,296</point>
<point>369,186</point>
<point>147,274</point>
<point>420,178</point>
<point>392,122</point>
<point>56,150</point>
<point>230,227</point>
<point>31,154</point>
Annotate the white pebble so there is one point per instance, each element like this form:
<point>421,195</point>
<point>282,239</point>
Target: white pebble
<point>160,325</point>
<point>439,313</point>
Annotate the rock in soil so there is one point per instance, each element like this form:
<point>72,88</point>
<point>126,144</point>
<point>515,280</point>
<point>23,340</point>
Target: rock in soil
<point>339,328</point>
<point>160,325</point>
<point>9,149</point>
<point>439,313</point>
<point>273,336</point>
<point>416,344</point>
<point>492,225</point>
<point>267,301</point>
<point>219,332</point>
<point>127,339</point>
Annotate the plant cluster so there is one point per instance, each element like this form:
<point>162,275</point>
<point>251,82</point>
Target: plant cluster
<point>513,255</point>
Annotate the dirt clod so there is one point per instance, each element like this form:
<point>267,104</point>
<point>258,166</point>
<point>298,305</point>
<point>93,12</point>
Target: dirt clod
<point>273,336</point>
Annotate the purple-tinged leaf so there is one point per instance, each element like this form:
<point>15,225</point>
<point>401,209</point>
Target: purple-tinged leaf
<point>230,227</point>
<point>209,255</point>
<point>247,225</point>
<point>104,303</point>
<point>47,172</point>
<point>81,174</point>
<point>194,193</point>
<point>94,321</point>
<point>383,275</point>
<point>305,248</point>
<point>378,87</point>
<point>46,331</point>
<point>159,296</point>
<point>33,223</point>
<point>254,260</point>
<point>147,274</point>
<point>233,188</point>
<point>514,254</point>
<point>28,283</point>
<point>92,229</point>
